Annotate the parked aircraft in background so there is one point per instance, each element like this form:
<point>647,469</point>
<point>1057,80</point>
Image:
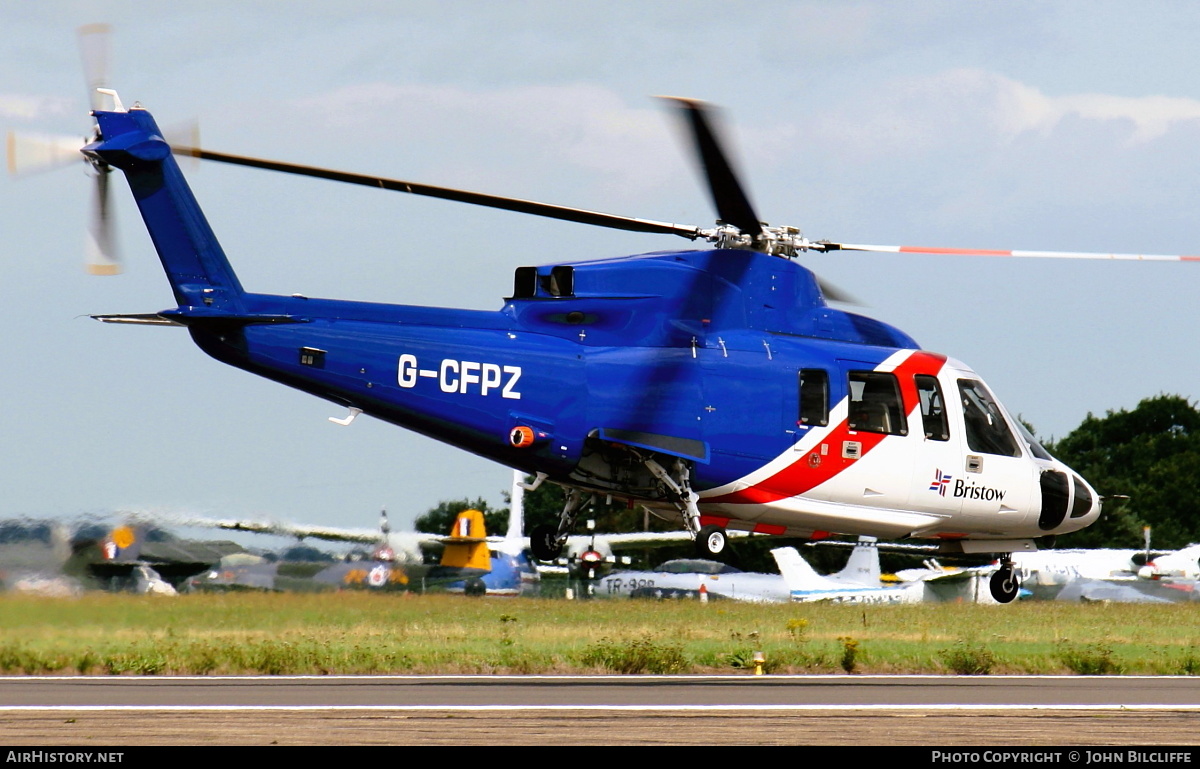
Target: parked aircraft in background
<point>143,558</point>
<point>1183,563</point>
<point>1055,568</point>
<point>1044,574</point>
<point>1167,590</point>
<point>693,578</point>
<point>47,558</point>
<point>1148,576</point>
<point>1047,571</point>
<point>404,547</point>
<point>34,558</point>
<point>511,572</point>
<point>858,583</point>
<point>953,584</point>
<point>467,564</point>
<point>245,571</point>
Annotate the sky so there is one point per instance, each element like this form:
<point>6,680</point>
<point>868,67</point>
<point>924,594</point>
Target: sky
<point>1069,126</point>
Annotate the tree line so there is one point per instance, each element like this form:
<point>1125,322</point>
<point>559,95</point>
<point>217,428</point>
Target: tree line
<point>1145,462</point>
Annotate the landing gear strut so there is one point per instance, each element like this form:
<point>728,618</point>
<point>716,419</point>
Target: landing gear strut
<point>1004,584</point>
<point>710,540</point>
<point>546,542</point>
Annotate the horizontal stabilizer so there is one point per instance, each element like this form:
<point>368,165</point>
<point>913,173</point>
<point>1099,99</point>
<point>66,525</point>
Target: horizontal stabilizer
<point>192,316</point>
<point>137,319</point>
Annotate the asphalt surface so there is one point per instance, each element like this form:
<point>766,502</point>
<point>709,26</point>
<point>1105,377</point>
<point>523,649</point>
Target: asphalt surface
<point>630,710</point>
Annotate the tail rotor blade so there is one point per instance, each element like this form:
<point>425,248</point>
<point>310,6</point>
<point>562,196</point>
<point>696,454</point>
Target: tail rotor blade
<point>94,50</point>
<point>95,46</point>
<point>34,153</point>
<point>101,243</point>
<point>732,204</point>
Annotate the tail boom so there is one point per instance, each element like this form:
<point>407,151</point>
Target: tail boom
<point>196,266</point>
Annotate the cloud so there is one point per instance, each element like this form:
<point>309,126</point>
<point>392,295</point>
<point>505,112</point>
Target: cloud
<point>500,135</point>
<point>1026,109</point>
<point>15,106</point>
<point>970,109</point>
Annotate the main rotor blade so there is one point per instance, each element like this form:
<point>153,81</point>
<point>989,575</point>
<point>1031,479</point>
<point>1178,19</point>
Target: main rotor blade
<point>462,196</point>
<point>835,294</point>
<point>823,245</point>
<point>732,204</point>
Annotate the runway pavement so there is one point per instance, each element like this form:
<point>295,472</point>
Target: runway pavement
<point>626,710</point>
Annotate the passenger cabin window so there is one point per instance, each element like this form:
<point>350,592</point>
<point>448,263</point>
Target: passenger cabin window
<point>814,397</point>
<point>986,429</point>
<point>933,408</point>
<point>875,404</point>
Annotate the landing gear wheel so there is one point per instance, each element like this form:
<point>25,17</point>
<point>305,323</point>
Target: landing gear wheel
<point>475,587</point>
<point>1004,585</point>
<point>544,544</point>
<point>711,542</point>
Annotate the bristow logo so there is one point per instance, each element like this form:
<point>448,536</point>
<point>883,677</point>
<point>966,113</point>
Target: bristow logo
<point>976,491</point>
<point>940,481</point>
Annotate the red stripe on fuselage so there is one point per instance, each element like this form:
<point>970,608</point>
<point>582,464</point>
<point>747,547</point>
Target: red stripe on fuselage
<point>801,476</point>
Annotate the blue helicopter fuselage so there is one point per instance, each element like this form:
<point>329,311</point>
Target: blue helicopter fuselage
<point>592,368</point>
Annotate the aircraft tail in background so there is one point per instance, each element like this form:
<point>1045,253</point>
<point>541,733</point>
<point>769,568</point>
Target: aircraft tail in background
<point>123,544</point>
<point>863,565</point>
<point>805,585</point>
<point>467,545</point>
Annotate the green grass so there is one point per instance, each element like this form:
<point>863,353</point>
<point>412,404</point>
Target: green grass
<point>247,633</point>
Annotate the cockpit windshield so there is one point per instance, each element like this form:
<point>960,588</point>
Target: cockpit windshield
<point>1037,449</point>
<point>987,430</point>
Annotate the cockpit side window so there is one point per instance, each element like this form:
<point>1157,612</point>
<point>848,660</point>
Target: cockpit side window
<point>933,408</point>
<point>986,429</point>
<point>875,404</point>
<point>814,397</point>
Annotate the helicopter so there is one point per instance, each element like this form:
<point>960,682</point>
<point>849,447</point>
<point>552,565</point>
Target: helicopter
<point>715,387</point>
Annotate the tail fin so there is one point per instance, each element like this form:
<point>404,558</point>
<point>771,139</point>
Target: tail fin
<point>863,565</point>
<point>196,267</point>
<point>797,573</point>
<point>123,544</point>
<point>467,545</point>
